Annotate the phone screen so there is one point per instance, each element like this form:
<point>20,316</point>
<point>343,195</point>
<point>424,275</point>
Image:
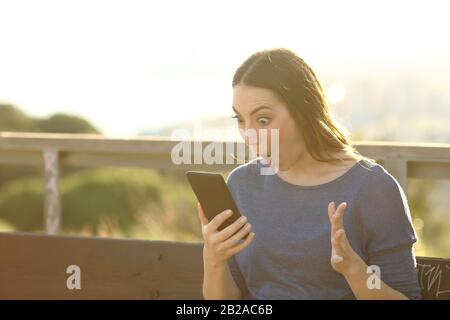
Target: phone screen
<point>213,194</point>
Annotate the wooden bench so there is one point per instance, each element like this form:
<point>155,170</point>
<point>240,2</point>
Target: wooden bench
<point>34,266</point>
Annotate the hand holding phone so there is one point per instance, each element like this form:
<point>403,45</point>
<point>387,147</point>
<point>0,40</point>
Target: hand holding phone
<point>221,230</point>
<point>214,196</point>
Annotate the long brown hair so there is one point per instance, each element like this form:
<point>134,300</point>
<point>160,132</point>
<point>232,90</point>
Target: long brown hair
<point>294,82</point>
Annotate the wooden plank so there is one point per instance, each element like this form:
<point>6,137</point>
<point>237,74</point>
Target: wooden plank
<point>429,170</point>
<point>407,150</point>
<point>33,266</point>
<point>163,145</point>
<point>97,150</point>
<point>90,143</point>
<point>399,169</point>
<point>21,157</point>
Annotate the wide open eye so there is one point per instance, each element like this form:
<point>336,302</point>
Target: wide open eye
<point>264,121</point>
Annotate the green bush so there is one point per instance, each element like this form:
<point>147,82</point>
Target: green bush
<point>13,119</point>
<point>109,193</point>
<point>64,123</point>
<point>87,197</point>
<point>21,204</point>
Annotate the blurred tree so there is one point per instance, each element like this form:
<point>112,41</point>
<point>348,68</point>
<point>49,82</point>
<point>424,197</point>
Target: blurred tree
<point>418,196</point>
<point>88,197</point>
<point>62,123</point>
<point>108,193</point>
<point>13,119</point>
<point>21,204</point>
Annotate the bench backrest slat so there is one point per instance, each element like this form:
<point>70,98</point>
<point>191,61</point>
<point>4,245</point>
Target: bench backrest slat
<point>33,266</point>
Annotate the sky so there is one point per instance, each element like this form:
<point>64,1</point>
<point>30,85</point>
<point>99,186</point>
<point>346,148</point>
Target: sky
<point>128,66</point>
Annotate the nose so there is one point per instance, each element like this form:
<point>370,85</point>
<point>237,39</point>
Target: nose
<point>249,140</point>
<point>250,136</point>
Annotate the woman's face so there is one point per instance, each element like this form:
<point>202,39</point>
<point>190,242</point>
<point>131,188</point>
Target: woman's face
<point>259,108</point>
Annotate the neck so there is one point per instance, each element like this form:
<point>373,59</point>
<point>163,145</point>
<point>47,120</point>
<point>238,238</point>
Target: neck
<point>306,166</point>
<point>303,165</point>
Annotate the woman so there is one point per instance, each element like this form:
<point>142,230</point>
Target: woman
<point>312,229</point>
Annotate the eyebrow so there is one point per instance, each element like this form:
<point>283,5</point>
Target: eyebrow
<point>254,110</point>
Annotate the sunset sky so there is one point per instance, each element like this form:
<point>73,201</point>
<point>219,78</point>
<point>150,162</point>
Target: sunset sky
<point>132,65</point>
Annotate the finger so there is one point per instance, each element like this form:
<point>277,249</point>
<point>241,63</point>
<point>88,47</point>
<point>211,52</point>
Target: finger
<point>236,237</point>
<point>336,247</point>
<point>331,210</point>
<point>219,219</point>
<point>341,241</point>
<point>339,247</point>
<point>338,217</point>
<point>242,245</point>
<point>231,229</point>
<point>201,215</point>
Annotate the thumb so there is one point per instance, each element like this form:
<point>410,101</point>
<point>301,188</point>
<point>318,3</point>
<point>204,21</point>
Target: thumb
<point>201,215</point>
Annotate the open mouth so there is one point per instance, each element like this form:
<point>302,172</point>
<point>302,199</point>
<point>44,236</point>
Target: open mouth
<point>259,153</point>
<point>267,160</point>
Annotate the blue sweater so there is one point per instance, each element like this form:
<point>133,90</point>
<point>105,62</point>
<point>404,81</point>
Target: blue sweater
<point>290,255</point>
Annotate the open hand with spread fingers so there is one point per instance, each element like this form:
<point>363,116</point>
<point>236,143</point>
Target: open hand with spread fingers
<point>343,259</point>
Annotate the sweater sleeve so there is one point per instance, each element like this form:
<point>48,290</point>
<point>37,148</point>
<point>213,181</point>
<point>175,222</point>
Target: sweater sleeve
<point>233,185</point>
<point>388,232</point>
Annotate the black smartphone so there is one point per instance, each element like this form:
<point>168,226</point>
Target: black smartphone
<point>213,194</point>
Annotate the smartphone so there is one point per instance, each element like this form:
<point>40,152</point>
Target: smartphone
<point>213,194</point>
